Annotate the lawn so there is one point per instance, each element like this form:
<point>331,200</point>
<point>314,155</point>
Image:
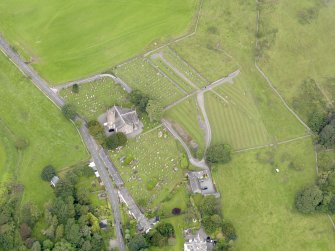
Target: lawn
<point>186,115</point>
<point>153,171</point>
<point>27,114</point>
<point>96,97</point>
<point>69,40</point>
<point>234,117</point>
<point>260,202</point>
<point>141,75</point>
<point>304,50</point>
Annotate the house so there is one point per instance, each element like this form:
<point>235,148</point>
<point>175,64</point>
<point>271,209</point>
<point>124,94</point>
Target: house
<point>123,120</point>
<point>196,242</point>
<point>54,181</point>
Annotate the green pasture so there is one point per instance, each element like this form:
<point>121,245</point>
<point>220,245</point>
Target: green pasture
<point>96,97</point>
<point>155,170</point>
<point>139,74</point>
<point>27,115</point>
<point>260,202</point>
<point>69,40</point>
<point>185,115</point>
<point>300,46</point>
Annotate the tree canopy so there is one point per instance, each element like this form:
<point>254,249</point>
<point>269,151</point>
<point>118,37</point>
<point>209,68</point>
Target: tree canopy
<point>116,140</point>
<point>139,100</point>
<point>218,154</point>
<point>48,172</point>
<point>308,199</point>
<point>69,111</point>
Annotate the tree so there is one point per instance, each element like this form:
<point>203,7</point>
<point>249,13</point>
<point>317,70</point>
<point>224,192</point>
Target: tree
<point>116,140</point>
<point>139,100</point>
<point>156,239</point>
<point>30,214</point>
<point>48,172</point>
<point>331,206</point>
<point>59,234</point>
<point>211,223</point>
<point>63,245</point>
<point>64,189</point>
<point>69,111</point>
<point>317,120</point>
<point>96,130</point>
<point>36,246</point>
<point>47,244</point>
<point>229,231</point>
<point>165,229</point>
<point>155,110</point>
<point>137,243</point>
<point>75,88</point>
<point>308,199</point>
<point>209,206</point>
<point>72,232</point>
<point>218,154</point>
<point>327,135</point>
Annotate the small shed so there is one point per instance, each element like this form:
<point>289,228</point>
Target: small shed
<point>54,181</point>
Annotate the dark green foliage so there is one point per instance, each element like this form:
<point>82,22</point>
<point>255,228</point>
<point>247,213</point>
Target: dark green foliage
<point>116,140</point>
<point>139,100</point>
<point>30,214</point>
<point>69,111</point>
<point>75,88</point>
<point>316,121</point>
<point>72,231</point>
<point>137,243</point>
<point>211,223</point>
<point>96,130</point>
<point>165,229</point>
<point>63,245</point>
<point>308,199</point>
<point>222,245</point>
<point>310,100</point>
<point>331,206</point>
<point>156,239</point>
<point>229,231</point>
<point>209,206</point>
<point>327,135</point>
<point>48,172</point>
<point>64,189</point>
<point>155,110</point>
<point>218,154</point>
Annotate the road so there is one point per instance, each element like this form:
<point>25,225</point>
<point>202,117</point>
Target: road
<point>89,142</point>
<point>119,81</point>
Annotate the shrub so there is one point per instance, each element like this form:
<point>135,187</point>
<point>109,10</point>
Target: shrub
<point>176,211</point>
<point>229,231</point>
<point>218,154</point>
<point>75,88</point>
<point>48,172</point>
<point>139,100</point>
<point>69,111</point>
<point>308,199</point>
<point>116,140</point>
<point>165,229</point>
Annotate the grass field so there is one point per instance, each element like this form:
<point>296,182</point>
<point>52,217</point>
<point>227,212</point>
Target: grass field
<point>95,98</point>
<point>68,40</point>
<point>234,117</point>
<point>305,50</point>
<point>26,114</point>
<point>139,74</point>
<point>186,115</point>
<point>264,214</point>
<point>155,170</point>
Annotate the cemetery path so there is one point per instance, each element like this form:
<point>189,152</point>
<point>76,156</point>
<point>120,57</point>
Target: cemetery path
<point>119,81</point>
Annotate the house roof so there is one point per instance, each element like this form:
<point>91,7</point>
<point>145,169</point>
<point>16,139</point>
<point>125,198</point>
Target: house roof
<point>121,116</point>
<point>194,183</point>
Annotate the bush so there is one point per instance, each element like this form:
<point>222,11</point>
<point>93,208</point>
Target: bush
<point>116,140</point>
<point>96,130</point>
<point>75,88</point>
<point>137,243</point>
<point>308,199</point>
<point>69,111</point>
<point>165,229</point>
<point>139,100</point>
<point>176,211</point>
<point>229,231</point>
<point>218,154</point>
<point>48,172</point>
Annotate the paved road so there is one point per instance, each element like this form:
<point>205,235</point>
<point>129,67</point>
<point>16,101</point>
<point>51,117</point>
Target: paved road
<point>111,191</point>
<point>119,81</point>
<point>90,143</point>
